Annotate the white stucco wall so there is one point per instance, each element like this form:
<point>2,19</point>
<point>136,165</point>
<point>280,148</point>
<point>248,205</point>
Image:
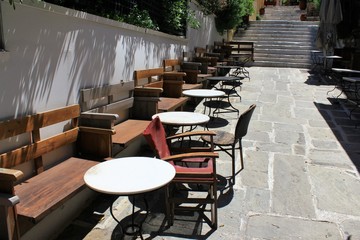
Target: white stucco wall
<point>53,52</point>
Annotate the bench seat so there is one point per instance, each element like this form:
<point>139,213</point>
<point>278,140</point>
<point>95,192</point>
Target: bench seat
<point>171,104</point>
<point>46,191</point>
<point>129,130</point>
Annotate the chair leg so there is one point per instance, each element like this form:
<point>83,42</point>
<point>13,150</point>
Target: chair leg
<point>167,205</point>
<point>241,156</point>
<point>233,163</point>
<point>214,206</point>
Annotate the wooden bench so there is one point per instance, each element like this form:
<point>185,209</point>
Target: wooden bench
<point>107,127</point>
<point>240,49</point>
<point>174,66</point>
<point>27,197</point>
<point>153,94</point>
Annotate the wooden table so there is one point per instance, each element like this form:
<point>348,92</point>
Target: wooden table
<point>129,176</point>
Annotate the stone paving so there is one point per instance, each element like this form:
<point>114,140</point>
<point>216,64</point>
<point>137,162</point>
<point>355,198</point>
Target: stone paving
<point>301,175</point>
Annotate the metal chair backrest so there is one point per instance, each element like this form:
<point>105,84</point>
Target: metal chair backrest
<point>243,123</point>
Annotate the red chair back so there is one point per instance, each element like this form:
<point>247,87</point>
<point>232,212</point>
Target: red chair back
<point>156,137</point>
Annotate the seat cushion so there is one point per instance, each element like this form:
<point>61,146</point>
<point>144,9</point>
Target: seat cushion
<point>221,138</point>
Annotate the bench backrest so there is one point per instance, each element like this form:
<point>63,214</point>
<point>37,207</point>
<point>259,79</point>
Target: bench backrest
<point>242,48</point>
<point>28,129</point>
<point>112,99</point>
<point>146,76</point>
<point>172,65</point>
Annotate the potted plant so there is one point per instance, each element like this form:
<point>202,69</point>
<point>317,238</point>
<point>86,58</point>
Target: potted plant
<point>302,4</point>
<point>229,16</point>
<point>262,11</point>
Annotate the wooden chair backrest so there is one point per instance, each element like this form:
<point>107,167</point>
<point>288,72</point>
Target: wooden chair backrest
<point>171,65</point>
<point>146,76</point>
<point>35,147</point>
<point>200,52</point>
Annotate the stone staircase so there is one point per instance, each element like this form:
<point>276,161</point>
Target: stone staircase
<point>282,40</point>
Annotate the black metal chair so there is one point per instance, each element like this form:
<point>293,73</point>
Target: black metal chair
<point>227,141</point>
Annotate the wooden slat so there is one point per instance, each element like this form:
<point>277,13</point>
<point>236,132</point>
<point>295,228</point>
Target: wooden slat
<point>129,130</point>
<point>32,151</point>
<point>114,107</point>
<point>105,91</point>
<point>147,74</point>
<point>43,193</point>
<point>173,63</point>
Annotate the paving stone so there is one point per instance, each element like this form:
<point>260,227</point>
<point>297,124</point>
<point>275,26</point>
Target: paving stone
<point>321,133</point>
<point>260,126</point>
<point>325,144</point>
<point>273,147</point>
<point>290,127</point>
<point>286,137</point>
<point>258,136</point>
<point>306,113</point>
<point>256,200</point>
<point>291,188</point>
<point>336,190</point>
<point>334,158</point>
<point>299,150</point>
<point>321,123</point>
<point>351,229</point>
<point>282,227</point>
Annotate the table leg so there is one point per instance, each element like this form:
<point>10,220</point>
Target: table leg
<point>233,89</point>
<point>133,229</point>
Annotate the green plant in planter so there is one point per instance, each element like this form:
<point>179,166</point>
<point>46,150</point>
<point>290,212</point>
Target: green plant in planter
<point>140,18</point>
<point>229,16</point>
<point>177,15</point>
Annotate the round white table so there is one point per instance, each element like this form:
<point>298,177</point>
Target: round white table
<point>129,176</point>
<point>180,118</point>
<point>205,93</point>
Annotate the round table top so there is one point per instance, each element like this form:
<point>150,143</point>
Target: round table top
<point>205,93</point>
<point>223,78</point>
<point>331,57</point>
<point>352,79</point>
<point>180,118</point>
<point>345,70</point>
<point>129,175</point>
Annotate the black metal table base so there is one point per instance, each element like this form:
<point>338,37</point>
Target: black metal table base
<point>132,229</point>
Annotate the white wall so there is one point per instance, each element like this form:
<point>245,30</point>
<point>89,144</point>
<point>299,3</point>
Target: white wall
<point>53,52</point>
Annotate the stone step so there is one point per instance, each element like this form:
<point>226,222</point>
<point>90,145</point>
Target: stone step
<point>283,22</point>
<point>285,46</point>
<point>276,39</point>
<point>299,58</point>
<point>281,43</point>
<point>277,35</point>
<point>279,31</point>
<point>280,51</point>
<point>281,64</point>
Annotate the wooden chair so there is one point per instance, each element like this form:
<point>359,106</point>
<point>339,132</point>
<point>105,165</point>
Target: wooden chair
<point>197,168</point>
<point>227,141</point>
